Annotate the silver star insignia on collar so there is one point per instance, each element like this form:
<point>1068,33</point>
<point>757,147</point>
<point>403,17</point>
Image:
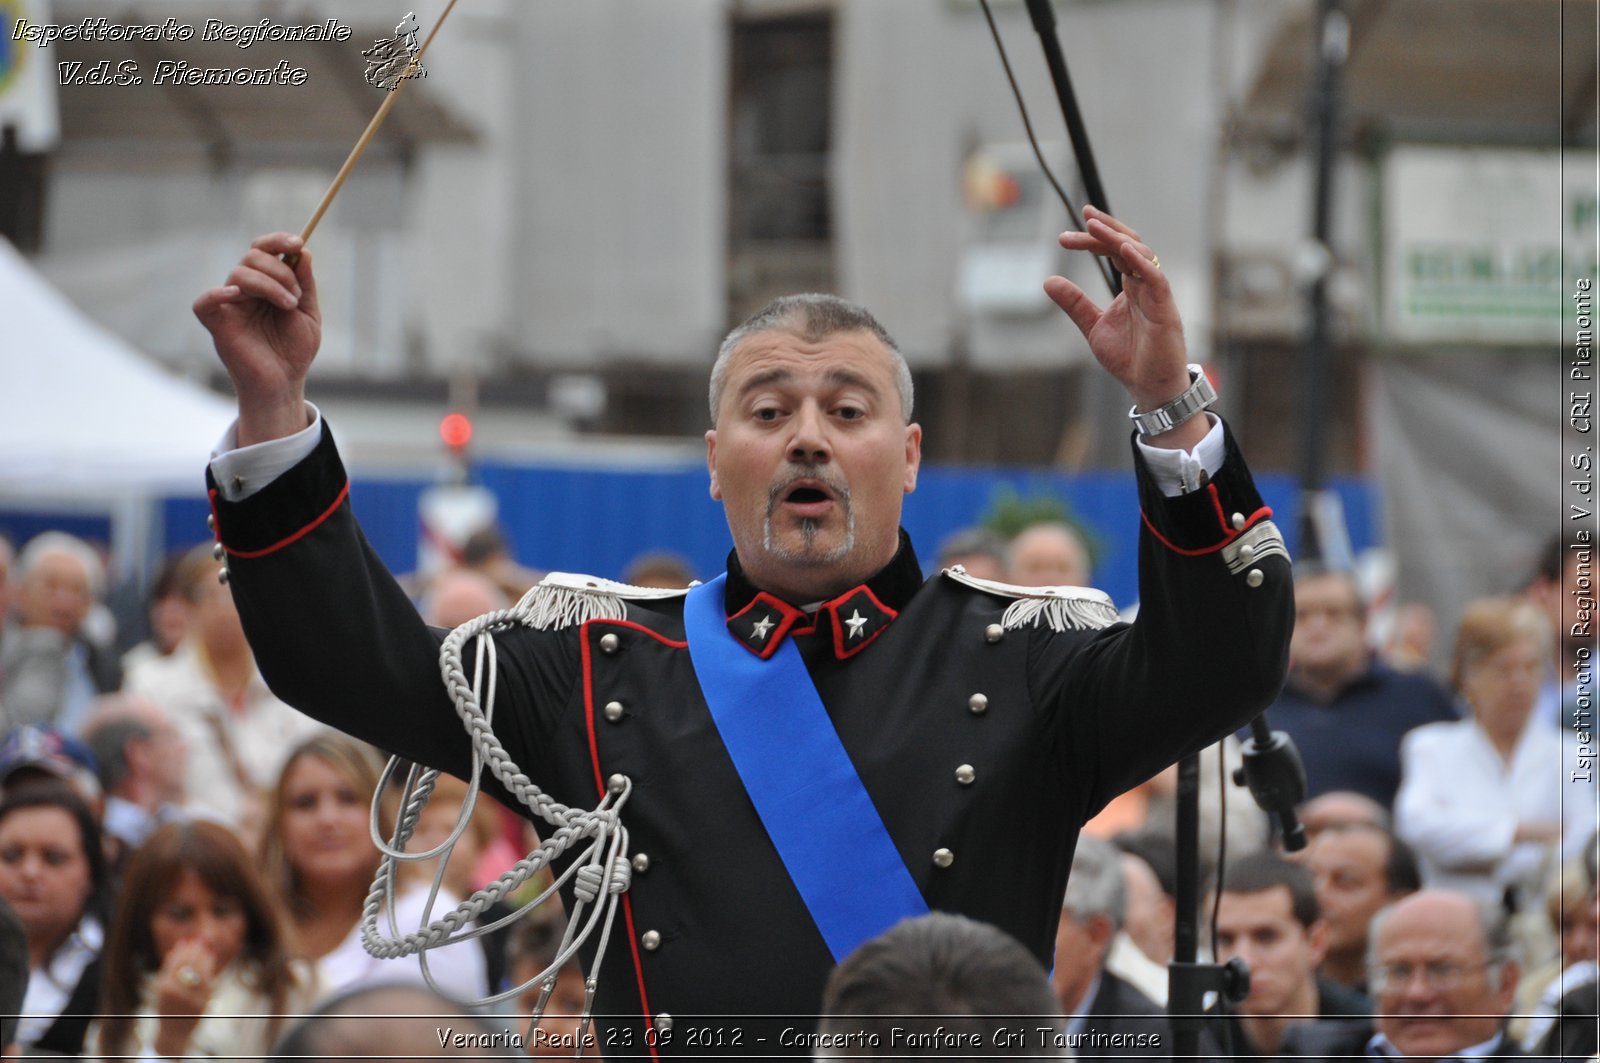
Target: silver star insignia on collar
<point>855,623</point>
<point>761,628</point>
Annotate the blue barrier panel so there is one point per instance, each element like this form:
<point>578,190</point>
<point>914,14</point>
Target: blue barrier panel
<point>598,519</point>
<point>22,525</point>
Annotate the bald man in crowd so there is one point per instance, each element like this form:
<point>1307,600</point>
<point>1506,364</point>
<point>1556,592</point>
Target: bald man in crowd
<point>460,594</point>
<point>1048,554</point>
<point>1443,978</point>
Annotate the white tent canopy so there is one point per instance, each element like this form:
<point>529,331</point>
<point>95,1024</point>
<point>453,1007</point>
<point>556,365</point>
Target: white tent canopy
<point>84,417</point>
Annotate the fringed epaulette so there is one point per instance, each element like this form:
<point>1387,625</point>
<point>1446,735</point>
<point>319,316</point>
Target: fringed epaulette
<point>1059,608</point>
<point>567,599</point>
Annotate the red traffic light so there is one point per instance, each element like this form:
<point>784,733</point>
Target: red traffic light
<point>455,429</point>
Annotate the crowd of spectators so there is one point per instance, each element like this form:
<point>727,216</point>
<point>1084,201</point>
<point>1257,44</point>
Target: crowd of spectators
<point>187,857</point>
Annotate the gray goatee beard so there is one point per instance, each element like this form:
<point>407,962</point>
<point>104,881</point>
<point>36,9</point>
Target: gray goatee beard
<point>807,553</point>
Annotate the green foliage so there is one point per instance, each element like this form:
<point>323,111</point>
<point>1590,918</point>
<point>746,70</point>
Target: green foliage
<point>1009,512</point>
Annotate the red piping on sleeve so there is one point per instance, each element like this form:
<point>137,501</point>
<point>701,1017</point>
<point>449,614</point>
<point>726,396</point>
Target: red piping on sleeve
<point>281,543</point>
<point>1259,515</point>
<point>1216,504</point>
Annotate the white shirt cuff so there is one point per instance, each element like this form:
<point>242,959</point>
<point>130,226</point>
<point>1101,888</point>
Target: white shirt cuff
<point>242,471</point>
<point>1177,472</point>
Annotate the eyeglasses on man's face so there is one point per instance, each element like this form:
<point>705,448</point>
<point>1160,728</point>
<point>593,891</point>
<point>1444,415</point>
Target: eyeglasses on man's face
<point>1440,976</point>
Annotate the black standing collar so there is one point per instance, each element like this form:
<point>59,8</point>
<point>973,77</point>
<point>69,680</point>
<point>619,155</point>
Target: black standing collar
<point>852,620</point>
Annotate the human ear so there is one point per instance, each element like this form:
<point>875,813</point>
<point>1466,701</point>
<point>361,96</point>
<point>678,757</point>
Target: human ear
<point>913,457</point>
<point>711,463</point>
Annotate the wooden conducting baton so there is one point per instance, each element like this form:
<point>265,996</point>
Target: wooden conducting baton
<point>293,257</point>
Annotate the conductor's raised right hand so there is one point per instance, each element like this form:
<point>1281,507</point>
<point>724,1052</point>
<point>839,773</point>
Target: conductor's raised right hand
<point>266,327</point>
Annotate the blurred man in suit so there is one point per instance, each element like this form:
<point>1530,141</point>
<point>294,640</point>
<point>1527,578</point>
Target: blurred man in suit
<point>1115,1018</point>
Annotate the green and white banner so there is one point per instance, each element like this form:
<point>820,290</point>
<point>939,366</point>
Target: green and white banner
<point>1482,245</point>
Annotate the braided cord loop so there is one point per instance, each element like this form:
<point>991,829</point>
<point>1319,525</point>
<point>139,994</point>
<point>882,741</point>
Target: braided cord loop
<point>601,870</point>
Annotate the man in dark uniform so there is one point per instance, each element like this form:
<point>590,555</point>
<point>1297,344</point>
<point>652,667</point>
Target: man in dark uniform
<point>979,725</point>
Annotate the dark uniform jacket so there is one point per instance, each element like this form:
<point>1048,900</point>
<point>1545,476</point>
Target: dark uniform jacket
<point>985,740</point>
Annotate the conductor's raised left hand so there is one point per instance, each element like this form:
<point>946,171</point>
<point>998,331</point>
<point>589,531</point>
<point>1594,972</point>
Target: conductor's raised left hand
<point>1138,338</point>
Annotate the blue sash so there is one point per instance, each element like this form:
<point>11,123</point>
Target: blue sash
<point>800,779</point>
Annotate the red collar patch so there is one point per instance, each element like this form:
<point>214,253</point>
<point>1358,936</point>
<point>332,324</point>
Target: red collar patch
<point>856,618</point>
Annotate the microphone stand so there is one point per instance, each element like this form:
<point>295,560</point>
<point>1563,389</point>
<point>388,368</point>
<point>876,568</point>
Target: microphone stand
<point>1272,768</point>
<point>1044,23</point>
<point>1277,780</point>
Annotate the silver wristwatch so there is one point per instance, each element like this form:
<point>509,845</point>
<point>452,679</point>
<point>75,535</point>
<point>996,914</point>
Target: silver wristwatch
<point>1200,395</point>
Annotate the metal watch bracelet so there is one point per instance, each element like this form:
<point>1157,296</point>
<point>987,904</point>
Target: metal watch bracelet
<point>1198,396</point>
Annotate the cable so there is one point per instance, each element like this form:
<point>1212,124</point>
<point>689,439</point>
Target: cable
<point>1022,108</point>
<point>1222,839</point>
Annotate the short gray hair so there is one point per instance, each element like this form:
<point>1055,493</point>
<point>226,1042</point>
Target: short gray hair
<point>54,543</point>
<point>812,316</point>
<point>1095,884</point>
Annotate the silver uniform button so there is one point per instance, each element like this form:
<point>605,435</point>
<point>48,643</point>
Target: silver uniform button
<point>1254,577</point>
<point>223,574</point>
<point>1238,522</point>
<point>979,704</point>
<point>651,940</point>
<point>1247,553</point>
<point>641,863</point>
<point>663,1022</point>
<point>614,711</point>
<point>965,774</point>
<point>211,521</point>
<point>609,643</point>
<point>994,633</point>
<point>943,858</point>
<point>219,551</point>
<point>617,783</point>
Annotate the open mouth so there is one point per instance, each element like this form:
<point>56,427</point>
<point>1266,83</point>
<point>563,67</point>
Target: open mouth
<point>807,498</point>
